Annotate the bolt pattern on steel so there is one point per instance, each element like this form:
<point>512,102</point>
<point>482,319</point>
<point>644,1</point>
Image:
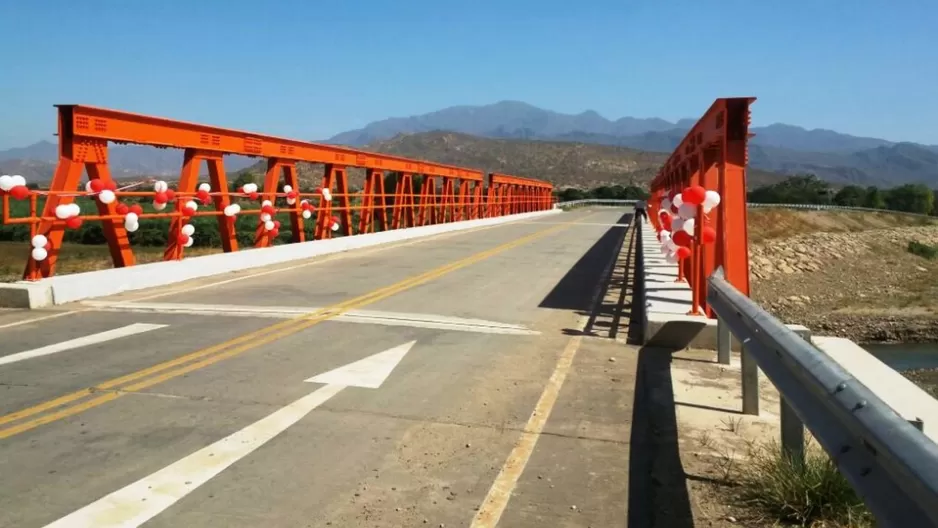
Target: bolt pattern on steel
<point>446,194</point>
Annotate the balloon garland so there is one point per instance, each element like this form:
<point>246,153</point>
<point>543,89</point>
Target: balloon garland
<point>677,223</point>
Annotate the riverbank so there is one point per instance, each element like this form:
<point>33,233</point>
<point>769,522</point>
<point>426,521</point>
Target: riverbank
<point>847,275</point>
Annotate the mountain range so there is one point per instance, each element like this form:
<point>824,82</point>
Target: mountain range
<point>778,148</point>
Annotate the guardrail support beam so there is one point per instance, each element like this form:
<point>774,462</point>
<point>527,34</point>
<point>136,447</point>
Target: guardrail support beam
<point>724,342</point>
<point>750,375</point>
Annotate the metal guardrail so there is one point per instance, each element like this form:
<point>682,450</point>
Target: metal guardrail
<point>811,207</point>
<point>891,464</point>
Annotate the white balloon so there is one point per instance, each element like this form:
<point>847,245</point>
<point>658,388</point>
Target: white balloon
<point>678,200</point>
<point>107,196</point>
<point>192,205</point>
<point>711,200</point>
<point>665,235</point>
<point>237,208</point>
<point>665,204</point>
<point>39,241</point>
<point>269,225</point>
<point>229,210</point>
<point>188,230</point>
<point>671,258</point>
<point>88,188</point>
<point>291,201</point>
<point>131,226</point>
<point>677,224</point>
<point>6,182</point>
<point>335,226</point>
<point>250,188</point>
<point>688,226</point>
<point>205,187</point>
<point>160,186</point>
<point>671,245</point>
<point>327,194</point>
<point>307,214</point>
<point>131,218</point>
<point>74,209</point>
<point>265,217</point>
<point>63,211</point>
<point>189,242</point>
<point>18,180</point>
<point>287,188</point>
<point>686,211</point>
<point>159,206</point>
<point>40,253</point>
<point>265,203</point>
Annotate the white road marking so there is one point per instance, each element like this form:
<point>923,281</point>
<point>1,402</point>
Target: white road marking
<point>140,501</point>
<point>93,339</point>
<point>369,372</point>
<point>438,322</point>
<point>36,319</point>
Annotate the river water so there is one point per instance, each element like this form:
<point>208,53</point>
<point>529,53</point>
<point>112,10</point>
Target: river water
<point>905,356</point>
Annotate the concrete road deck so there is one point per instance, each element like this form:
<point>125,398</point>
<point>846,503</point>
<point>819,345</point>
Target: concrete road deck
<point>500,396</point>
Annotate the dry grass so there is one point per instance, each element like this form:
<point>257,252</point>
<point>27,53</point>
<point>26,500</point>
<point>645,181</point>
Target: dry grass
<point>770,223</point>
<point>76,258</point>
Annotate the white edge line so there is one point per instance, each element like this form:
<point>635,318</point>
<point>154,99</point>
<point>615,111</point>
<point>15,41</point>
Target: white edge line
<point>93,339</point>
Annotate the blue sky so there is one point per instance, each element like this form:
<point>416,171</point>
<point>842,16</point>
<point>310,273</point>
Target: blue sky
<point>309,69</point>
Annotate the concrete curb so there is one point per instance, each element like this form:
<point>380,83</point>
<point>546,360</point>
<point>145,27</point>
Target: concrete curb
<point>68,288</point>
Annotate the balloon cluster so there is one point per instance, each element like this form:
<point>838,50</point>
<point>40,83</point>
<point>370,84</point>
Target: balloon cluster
<point>678,221</point>
<point>15,186</point>
<point>131,214</point>
<point>41,247</point>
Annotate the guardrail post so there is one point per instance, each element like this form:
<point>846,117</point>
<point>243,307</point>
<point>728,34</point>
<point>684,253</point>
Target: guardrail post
<point>792,426</point>
<point>750,378</point>
<point>724,342</point>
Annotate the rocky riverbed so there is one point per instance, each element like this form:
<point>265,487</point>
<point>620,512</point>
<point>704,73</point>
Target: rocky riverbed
<point>863,285</point>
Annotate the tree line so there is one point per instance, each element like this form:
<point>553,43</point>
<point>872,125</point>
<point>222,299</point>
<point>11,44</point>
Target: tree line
<point>809,189</point>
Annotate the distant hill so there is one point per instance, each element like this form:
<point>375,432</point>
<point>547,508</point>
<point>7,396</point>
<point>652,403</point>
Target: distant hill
<point>783,149</point>
<point>565,164</point>
<point>838,158</point>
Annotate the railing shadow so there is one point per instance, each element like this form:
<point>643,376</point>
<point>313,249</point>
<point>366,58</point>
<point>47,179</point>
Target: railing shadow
<point>658,494</point>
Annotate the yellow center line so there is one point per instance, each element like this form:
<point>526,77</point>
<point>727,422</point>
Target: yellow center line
<point>213,354</point>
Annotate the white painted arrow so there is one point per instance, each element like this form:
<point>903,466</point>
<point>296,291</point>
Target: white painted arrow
<point>139,502</point>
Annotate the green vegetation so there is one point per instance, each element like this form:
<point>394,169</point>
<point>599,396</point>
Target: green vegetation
<point>804,493</point>
<point>614,192</point>
<point>808,189</point>
<point>923,250</point>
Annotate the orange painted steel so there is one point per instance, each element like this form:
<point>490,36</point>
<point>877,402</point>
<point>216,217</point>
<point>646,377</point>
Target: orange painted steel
<point>448,193</point>
<point>713,155</point>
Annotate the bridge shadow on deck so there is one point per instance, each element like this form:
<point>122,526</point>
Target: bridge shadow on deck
<point>658,495</point>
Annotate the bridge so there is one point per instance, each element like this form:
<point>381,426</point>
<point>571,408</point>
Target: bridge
<point>455,351</point>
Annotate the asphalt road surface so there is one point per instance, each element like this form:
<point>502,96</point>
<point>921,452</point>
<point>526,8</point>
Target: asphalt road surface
<point>444,381</point>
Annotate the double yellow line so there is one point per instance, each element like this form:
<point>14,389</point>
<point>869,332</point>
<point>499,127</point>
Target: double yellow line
<point>141,379</point>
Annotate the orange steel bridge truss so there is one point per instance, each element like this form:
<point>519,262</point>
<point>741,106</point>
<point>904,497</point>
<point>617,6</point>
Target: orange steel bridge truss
<point>85,132</point>
<point>713,155</point>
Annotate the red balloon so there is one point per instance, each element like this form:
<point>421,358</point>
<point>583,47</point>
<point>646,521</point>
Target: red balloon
<point>269,209</point>
<point>292,195</point>
<point>666,222</point>
<point>188,211</point>
<point>254,195</point>
<point>110,185</point>
<point>682,252</point>
<point>681,238</point>
<point>694,195</point>
<point>73,222</point>
<point>160,198</point>
<point>170,195</point>
<point>20,192</point>
<point>97,186</point>
<point>659,236</point>
<point>202,194</point>
<point>136,209</point>
<point>276,225</point>
<point>708,235</point>
<point>182,239</point>
<point>122,209</point>
<point>272,234</point>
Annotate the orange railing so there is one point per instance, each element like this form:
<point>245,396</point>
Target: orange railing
<point>709,166</point>
<point>84,135</point>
